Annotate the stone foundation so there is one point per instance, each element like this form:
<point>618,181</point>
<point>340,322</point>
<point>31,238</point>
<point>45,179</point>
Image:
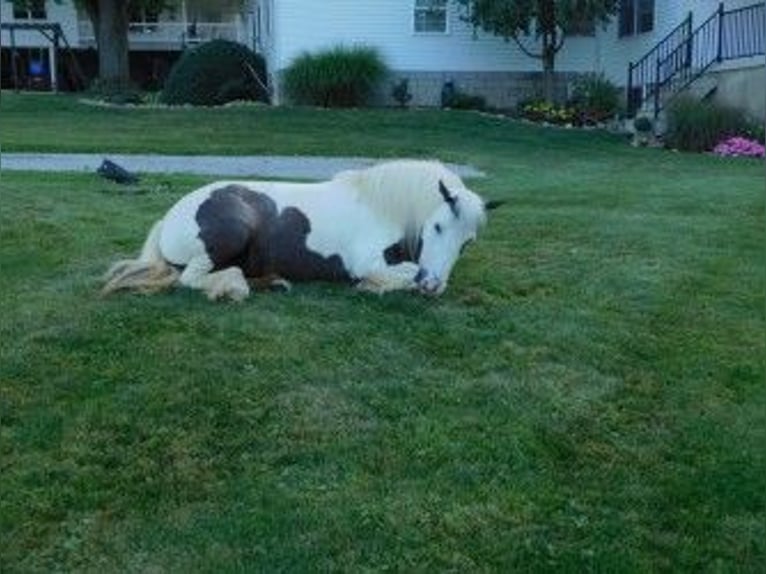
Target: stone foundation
<point>502,90</point>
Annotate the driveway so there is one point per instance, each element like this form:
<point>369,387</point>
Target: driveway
<point>299,167</point>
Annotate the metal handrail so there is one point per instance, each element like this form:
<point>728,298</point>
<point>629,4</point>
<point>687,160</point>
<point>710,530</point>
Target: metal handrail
<point>643,73</point>
<point>725,35</point>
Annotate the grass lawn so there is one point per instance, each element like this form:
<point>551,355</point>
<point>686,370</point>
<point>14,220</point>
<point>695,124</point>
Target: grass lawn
<point>587,396</point>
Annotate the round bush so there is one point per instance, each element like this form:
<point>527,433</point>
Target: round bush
<point>214,73</point>
<point>337,78</point>
<point>643,124</point>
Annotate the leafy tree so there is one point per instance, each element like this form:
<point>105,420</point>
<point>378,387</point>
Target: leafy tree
<point>538,27</point>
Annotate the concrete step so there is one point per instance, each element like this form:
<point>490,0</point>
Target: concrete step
<point>703,87</point>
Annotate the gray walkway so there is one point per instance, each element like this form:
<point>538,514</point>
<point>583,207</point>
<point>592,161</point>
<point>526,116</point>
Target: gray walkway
<point>299,167</point>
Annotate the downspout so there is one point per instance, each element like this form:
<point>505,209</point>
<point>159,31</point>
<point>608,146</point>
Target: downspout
<point>185,24</point>
<point>274,74</point>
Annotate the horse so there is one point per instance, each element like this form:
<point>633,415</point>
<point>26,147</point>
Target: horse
<point>398,225</point>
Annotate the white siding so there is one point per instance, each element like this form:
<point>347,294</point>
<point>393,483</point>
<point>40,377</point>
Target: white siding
<point>263,12</point>
<point>308,25</point>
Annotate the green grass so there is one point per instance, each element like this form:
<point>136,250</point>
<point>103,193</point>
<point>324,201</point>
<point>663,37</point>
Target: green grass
<point>70,126</point>
<point>587,396</point>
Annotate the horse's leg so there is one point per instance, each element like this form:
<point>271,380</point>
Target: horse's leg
<point>271,282</point>
<point>391,278</point>
<point>229,282</point>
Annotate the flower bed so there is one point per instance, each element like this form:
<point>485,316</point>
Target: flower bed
<point>739,147</point>
<point>541,111</point>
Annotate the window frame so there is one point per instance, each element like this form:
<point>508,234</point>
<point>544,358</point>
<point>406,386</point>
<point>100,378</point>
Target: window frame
<point>143,20</point>
<point>636,17</point>
<point>645,8</point>
<point>31,10</point>
<point>417,9</point>
<point>581,29</point>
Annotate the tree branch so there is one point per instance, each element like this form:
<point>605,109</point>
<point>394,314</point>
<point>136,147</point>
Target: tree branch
<point>561,40</point>
<point>524,48</point>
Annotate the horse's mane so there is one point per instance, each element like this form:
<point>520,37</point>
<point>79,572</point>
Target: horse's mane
<point>406,192</point>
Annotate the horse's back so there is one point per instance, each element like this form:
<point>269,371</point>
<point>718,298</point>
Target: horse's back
<point>263,228</point>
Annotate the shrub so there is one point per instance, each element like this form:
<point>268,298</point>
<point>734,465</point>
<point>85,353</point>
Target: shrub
<point>214,73</point>
<point>756,131</point>
<point>337,78</point>
<point>595,98</point>
<point>643,124</point>
<point>698,126</point>
<point>401,92</point>
<point>462,101</point>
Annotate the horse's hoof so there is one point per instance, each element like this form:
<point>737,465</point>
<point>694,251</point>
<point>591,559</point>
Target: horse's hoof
<point>280,286</point>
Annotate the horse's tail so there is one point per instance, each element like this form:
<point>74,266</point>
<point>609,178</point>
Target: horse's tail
<point>149,273</point>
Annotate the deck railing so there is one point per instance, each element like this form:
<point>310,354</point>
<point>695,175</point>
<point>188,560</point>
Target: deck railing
<point>171,33</point>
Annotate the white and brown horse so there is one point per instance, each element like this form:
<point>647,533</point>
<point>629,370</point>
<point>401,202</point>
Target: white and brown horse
<point>397,225</point>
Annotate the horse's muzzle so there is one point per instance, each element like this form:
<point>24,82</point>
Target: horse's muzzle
<point>429,284</point>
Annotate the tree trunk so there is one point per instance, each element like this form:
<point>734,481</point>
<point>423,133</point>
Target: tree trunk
<point>111,28</point>
<point>547,24</point>
<point>549,84</point>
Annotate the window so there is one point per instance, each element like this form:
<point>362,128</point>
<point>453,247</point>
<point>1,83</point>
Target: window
<point>581,27</point>
<point>636,17</point>
<point>29,10</point>
<point>142,14</point>
<point>431,16</point>
<point>645,16</point>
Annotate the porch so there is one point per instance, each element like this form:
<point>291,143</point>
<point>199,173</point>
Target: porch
<point>189,22</point>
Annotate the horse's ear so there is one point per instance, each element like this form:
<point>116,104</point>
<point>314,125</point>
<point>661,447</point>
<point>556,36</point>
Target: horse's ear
<point>494,204</point>
<point>446,194</point>
<point>448,197</point>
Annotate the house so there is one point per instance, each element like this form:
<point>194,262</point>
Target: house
<point>649,47</point>
<point>428,42</point>
<point>31,31</point>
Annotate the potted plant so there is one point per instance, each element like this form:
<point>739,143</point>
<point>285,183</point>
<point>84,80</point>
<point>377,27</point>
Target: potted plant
<point>643,131</point>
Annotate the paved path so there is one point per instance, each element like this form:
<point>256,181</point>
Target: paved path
<point>301,167</point>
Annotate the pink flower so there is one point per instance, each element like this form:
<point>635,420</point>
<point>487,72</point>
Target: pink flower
<point>739,147</point>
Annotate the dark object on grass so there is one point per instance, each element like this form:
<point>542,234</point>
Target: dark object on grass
<point>113,172</point>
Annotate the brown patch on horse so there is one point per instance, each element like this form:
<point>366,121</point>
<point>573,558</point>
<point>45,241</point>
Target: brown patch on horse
<point>243,228</point>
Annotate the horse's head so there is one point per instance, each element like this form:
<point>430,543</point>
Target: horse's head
<point>451,227</point>
<point>431,205</point>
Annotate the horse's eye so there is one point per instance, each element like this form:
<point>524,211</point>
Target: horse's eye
<point>438,228</point>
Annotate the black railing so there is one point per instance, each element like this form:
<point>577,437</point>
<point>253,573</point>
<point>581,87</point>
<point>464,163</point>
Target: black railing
<point>742,32</point>
<point>644,75</point>
<point>684,55</point>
